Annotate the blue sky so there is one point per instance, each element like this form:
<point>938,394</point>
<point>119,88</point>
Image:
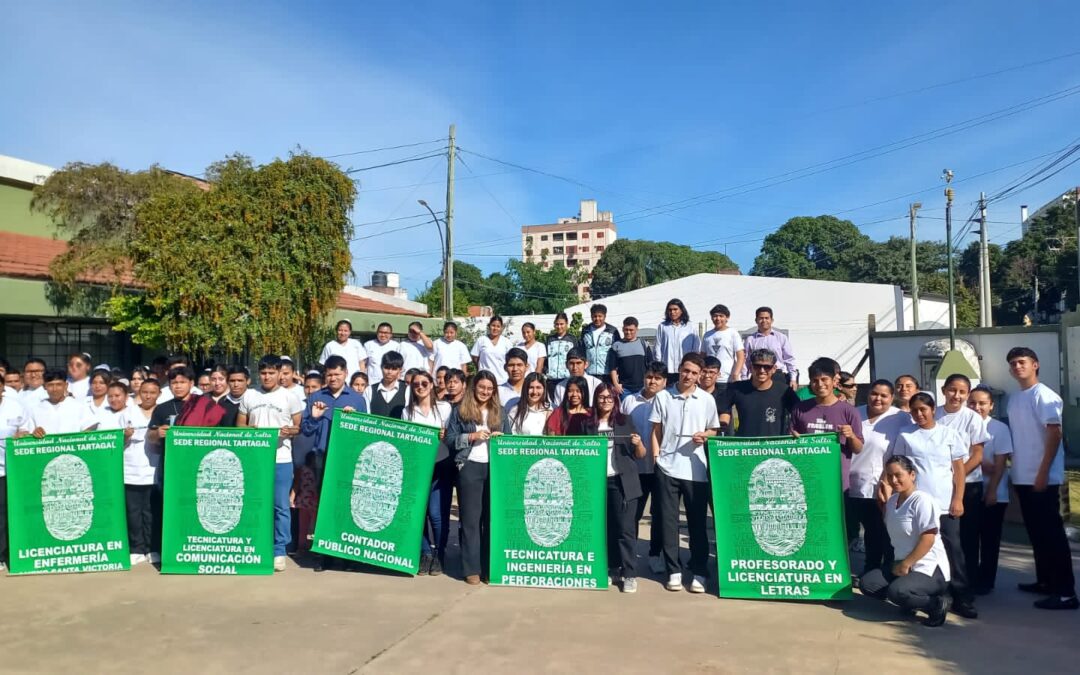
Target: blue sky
<point>644,105</point>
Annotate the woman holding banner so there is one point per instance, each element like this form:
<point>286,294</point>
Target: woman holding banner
<point>424,408</point>
<point>531,413</point>
<point>623,485</point>
<point>471,426</point>
<point>919,579</point>
<point>570,418</point>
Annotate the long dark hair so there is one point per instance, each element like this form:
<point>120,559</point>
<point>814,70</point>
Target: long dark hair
<point>414,400</point>
<point>523,402</point>
<point>685,318</point>
<point>616,417</point>
<point>583,386</point>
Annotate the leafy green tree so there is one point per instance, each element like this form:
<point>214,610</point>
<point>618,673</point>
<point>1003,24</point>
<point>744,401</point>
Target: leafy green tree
<point>630,264</point>
<point>524,288</point>
<point>822,247</point>
<point>1046,251</point>
<point>466,277</point>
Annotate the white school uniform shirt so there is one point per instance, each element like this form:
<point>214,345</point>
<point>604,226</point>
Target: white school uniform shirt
<point>69,416</point>
<point>560,390</point>
<point>508,396</point>
<point>878,435</point>
<point>479,452</point>
<point>536,352</point>
<point>139,464</point>
<point>80,389</point>
<point>375,351</point>
<point>972,428</point>
<point>12,418</point>
<point>932,451</point>
<point>638,409</point>
<point>725,345</point>
<point>438,417</point>
<point>272,410</point>
<point>1030,411</point>
<point>532,425</point>
<point>906,524</point>
<point>352,351</point>
<point>493,356</point>
<point>450,354</point>
<point>682,416</point>
<point>1000,443</point>
<point>101,411</point>
<point>416,355</point>
<point>31,397</point>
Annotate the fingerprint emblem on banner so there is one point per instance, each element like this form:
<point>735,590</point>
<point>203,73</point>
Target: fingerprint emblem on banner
<point>549,502</point>
<point>376,486</point>
<point>219,491</point>
<point>67,497</point>
<point>777,507</point>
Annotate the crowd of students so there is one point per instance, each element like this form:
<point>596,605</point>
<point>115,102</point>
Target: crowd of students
<point>925,485</point>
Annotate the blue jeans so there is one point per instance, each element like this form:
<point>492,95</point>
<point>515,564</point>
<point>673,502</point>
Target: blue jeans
<point>283,480</point>
<point>437,531</point>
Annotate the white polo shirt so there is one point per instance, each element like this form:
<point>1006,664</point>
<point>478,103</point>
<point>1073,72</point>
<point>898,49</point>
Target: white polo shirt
<point>1000,443</point>
<point>508,396</point>
<point>682,416</point>
<point>932,451</point>
<point>972,428</point>
<point>1030,411</point>
<point>375,351</point>
<point>352,351</point>
<point>878,435</point>
<point>906,524</point>
<point>12,418</point>
<point>450,354</point>
<point>416,355</point>
<point>536,352</point>
<point>69,416</point>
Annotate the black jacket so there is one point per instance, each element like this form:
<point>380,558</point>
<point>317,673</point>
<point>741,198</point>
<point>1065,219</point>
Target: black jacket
<point>623,460</point>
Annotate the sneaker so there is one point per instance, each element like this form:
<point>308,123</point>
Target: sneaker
<point>656,565</point>
<point>137,559</point>
<point>1036,587</point>
<point>425,565</point>
<point>2,567</point>
<point>964,609</point>
<point>629,585</point>
<point>279,563</point>
<point>473,579</point>
<point>936,615</point>
<point>698,584</point>
<point>436,566</point>
<point>154,558</point>
<point>1058,602</point>
<point>614,577</point>
<point>674,582</point>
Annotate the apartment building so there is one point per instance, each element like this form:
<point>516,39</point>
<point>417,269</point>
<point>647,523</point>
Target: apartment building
<point>576,242</point>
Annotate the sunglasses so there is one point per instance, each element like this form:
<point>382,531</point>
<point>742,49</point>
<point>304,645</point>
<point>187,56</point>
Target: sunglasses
<point>761,366</point>
<point>847,385</point>
<point>417,384</point>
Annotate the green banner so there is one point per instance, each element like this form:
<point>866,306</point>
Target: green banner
<point>779,518</point>
<point>219,501</point>
<point>66,508</point>
<point>375,490</point>
<point>549,511</point>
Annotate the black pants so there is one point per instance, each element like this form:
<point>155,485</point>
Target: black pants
<point>473,503</point>
<point>695,497</point>
<point>157,507</point>
<point>648,490</point>
<point>970,526</point>
<point>864,511</point>
<point>621,528</point>
<point>959,586</point>
<point>912,591</point>
<point>140,517</point>
<point>1042,519</point>
<point>993,519</point>
<point>3,520</point>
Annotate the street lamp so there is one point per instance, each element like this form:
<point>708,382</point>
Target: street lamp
<point>448,300</point>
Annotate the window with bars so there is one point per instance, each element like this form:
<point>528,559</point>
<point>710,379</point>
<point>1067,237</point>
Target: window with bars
<point>55,341</point>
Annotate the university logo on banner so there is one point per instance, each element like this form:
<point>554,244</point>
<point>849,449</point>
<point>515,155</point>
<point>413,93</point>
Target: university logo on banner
<point>219,501</point>
<point>780,530</point>
<point>549,511</point>
<point>375,490</point>
<point>66,507</point>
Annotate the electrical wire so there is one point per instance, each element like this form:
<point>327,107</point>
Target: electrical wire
<point>389,147</point>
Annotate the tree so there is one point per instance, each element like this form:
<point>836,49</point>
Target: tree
<point>822,247</point>
<point>1047,251</point>
<point>252,260</point>
<point>524,288</point>
<point>466,277</point>
<point>630,264</point>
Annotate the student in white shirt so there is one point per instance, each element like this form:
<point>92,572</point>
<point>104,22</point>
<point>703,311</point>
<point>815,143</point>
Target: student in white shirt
<point>117,414</point>
<point>275,407</point>
<point>33,391</point>
<point>289,380</point>
<point>78,366</point>
<point>425,408</point>
<point>638,407</point>
<point>449,351</point>
<point>12,419</point>
<point>881,425</point>
<point>675,336</point>
<point>489,352</point>
<point>919,578</point>
<point>938,453</point>
<point>417,348</point>
<point>724,343</point>
<point>972,428</point>
<point>377,348</point>
<point>683,418</point>
<point>534,348</point>
<point>142,463</point>
<point>995,470</point>
<point>577,364</point>
<point>517,364</point>
<point>346,347</point>
<point>1038,471</point>
<point>530,413</point>
<point>97,398</point>
<point>59,413</point>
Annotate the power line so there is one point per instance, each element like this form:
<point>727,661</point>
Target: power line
<point>417,158</point>
<point>391,220</point>
<point>389,147</point>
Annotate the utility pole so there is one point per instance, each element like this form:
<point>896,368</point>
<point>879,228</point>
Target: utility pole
<point>913,210</point>
<point>448,277</point>
<point>948,176</point>
<point>985,318</point>
<point>1076,216</point>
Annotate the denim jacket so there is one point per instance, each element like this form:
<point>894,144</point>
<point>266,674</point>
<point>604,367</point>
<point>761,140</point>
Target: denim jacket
<point>457,435</point>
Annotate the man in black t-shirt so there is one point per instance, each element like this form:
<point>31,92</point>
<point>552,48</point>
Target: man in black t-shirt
<point>627,360</point>
<point>762,406</point>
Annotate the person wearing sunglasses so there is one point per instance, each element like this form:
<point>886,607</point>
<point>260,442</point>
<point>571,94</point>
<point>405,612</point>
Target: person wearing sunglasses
<point>424,408</point>
<point>763,404</point>
<point>846,387</point>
